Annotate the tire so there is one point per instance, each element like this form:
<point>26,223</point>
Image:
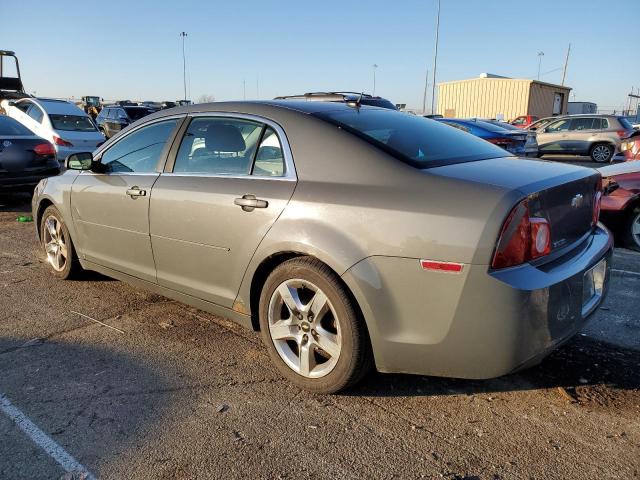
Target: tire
<point>338,327</point>
<point>56,244</point>
<point>631,236</point>
<point>601,153</point>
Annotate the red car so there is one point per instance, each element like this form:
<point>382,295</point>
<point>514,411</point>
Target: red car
<point>620,207</point>
<point>523,121</point>
<point>631,147</point>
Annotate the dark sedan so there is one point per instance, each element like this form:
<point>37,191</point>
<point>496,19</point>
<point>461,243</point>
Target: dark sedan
<point>25,158</point>
<point>114,118</point>
<point>512,141</point>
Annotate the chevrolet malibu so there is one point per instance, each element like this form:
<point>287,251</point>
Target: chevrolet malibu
<point>351,236</point>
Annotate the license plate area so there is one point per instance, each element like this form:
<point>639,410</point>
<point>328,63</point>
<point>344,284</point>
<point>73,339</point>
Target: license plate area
<point>593,286</point>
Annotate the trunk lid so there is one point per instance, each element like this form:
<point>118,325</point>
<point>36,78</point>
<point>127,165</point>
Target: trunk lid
<point>562,193</point>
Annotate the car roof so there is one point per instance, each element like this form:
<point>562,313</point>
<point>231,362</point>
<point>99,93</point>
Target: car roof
<point>58,107</point>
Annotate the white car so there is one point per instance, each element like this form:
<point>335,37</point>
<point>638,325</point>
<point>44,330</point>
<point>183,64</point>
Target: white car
<point>66,126</point>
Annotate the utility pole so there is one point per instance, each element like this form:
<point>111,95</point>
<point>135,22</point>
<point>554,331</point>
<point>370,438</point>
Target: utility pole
<point>184,65</point>
<point>374,79</point>
<point>424,94</point>
<point>540,55</point>
<point>244,89</point>
<point>257,87</point>
<point>435,61</point>
<point>566,62</point>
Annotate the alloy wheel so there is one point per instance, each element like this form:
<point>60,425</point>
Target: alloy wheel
<point>304,328</point>
<point>601,153</point>
<point>55,244</point>
<point>635,229</point>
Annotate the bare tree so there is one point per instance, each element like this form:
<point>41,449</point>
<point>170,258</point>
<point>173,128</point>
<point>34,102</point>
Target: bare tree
<point>206,99</point>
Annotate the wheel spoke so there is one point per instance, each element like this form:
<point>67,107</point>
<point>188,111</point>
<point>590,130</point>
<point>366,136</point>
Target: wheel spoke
<point>63,250</point>
<point>307,359</point>
<point>50,248</point>
<point>51,226</point>
<point>290,298</point>
<point>59,259</point>
<point>328,342</point>
<point>283,330</point>
<point>318,305</point>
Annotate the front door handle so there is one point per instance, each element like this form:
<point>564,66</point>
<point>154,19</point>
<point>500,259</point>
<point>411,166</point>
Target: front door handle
<point>135,192</point>
<point>249,202</point>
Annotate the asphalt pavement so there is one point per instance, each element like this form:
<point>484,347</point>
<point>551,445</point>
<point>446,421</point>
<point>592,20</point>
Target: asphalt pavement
<point>158,389</point>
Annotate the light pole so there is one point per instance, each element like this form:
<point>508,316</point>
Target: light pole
<point>184,65</point>
<point>374,78</point>
<point>435,62</point>
<point>244,89</point>
<point>540,55</point>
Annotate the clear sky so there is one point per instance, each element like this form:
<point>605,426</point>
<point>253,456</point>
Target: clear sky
<point>132,49</point>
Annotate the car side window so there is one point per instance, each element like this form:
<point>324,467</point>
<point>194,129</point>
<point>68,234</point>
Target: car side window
<point>121,114</point>
<point>35,113</point>
<point>582,124</point>
<point>218,146</point>
<point>518,121</point>
<point>269,158</point>
<point>23,106</point>
<point>604,123</point>
<point>559,126</point>
<point>140,150</point>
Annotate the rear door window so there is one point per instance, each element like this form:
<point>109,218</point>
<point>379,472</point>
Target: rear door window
<point>582,123</point>
<point>560,126</point>
<point>218,146</point>
<point>35,113</point>
<point>269,158</point>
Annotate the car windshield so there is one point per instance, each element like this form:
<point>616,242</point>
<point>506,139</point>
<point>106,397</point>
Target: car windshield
<point>415,140</point>
<point>490,126</point>
<point>71,123</point>
<point>8,126</point>
<point>136,113</point>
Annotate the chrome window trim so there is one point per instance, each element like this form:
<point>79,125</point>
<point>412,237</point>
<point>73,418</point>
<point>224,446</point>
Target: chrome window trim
<point>289,167</point>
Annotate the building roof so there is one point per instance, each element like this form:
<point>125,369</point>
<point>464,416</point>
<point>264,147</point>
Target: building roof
<point>497,78</point>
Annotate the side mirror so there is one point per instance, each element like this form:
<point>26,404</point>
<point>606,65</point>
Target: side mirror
<point>11,104</point>
<point>79,161</point>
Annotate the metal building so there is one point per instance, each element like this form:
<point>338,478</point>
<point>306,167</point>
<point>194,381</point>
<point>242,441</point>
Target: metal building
<point>493,96</point>
<point>576,108</point>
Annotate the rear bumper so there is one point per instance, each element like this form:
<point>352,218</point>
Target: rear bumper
<point>25,180</point>
<point>475,324</point>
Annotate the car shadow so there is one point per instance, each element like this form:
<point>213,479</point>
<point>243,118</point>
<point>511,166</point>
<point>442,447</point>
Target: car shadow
<point>15,202</point>
<point>582,362</point>
<point>94,401</point>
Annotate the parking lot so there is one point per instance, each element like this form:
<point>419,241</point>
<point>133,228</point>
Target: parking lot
<point>129,384</point>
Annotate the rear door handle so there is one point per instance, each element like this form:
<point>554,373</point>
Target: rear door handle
<point>249,202</point>
<point>134,192</point>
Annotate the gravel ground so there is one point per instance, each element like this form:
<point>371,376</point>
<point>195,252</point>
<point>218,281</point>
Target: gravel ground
<point>178,393</point>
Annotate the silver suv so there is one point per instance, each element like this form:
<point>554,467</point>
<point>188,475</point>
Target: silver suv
<point>598,136</point>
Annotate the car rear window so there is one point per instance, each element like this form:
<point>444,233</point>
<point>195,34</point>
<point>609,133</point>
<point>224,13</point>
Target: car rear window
<point>71,123</point>
<point>8,126</point>
<point>416,140</point>
<point>137,113</point>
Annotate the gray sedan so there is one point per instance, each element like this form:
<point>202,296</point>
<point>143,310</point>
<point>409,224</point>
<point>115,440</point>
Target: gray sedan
<point>351,236</point>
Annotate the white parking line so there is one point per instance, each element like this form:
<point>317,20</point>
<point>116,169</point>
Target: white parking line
<point>55,451</point>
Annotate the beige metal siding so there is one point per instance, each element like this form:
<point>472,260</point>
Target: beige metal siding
<point>494,97</point>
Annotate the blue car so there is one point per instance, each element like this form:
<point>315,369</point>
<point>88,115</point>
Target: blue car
<point>511,140</point>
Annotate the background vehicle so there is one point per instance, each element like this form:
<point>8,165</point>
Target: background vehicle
<point>168,104</point>
<point>630,147</point>
<point>621,202</point>
<point>114,118</point>
<point>91,106</point>
<point>25,158</point>
<point>62,123</point>
<point>531,144</point>
<point>512,141</point>
<point>524,121</point>
<point>151,105</point>
<point>598,136</point>
<point>231,221</point>
<point>342,97</point>
<point>11,86</point>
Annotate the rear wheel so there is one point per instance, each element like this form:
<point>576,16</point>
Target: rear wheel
<point>311,327</point>
<point>632,230</point>
<point>601,153</point>
<point>57,245</point>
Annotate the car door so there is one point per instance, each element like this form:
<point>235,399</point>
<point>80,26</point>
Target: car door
<point>581,132</point>
<point>227,181</point>
<point>110,206</point>
<point>553,137</point>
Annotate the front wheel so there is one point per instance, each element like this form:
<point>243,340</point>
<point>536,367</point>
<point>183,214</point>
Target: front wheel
<point>601,153</point>
<point>57,245</point>
<point>311,327</point>
<point>632,230</point>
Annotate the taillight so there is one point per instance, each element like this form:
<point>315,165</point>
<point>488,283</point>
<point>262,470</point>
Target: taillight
<point>63,143</point>
<point>44,149</point>
<point>623,133</point>
<point>522,239</point>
